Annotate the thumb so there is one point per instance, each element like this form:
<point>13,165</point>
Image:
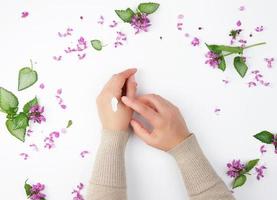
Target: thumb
<point>141,132</point>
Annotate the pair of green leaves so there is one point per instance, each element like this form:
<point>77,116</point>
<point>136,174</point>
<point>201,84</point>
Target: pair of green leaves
<point>239,62</point>
<point>15,123</point>
<point>147,8</point>
<point>241,179</point>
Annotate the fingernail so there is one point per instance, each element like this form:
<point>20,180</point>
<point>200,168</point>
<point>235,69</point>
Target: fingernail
<point>124,99</point>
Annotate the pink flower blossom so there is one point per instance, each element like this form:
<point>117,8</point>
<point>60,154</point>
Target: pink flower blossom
<point>260,172</point>
<point>140,22</point>
<point>50,140</point>
<point>36,114</point>
<point>212,59</point>
<point>259,29</point>
<point>238,23</point>
<point>42,86</point>
<point>83,153</point>
<point>195,41</point>
<point>114,24</point>
<point>241,8</point>
<point>57,58</point>
<point>269,62</point>
<point>120,39</point>
<point>36,192</point>
<point>262,149</point>
<point>24,14</point>
<point>77,192</point>
<point>34,146</point>
<point>101,20</point>
<point>24,155</point>
<point>234,168</point>
<point>68,32</point>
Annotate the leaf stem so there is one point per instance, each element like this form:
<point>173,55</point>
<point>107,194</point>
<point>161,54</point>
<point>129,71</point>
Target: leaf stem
<point>247,47</point>
<point>31,63</point>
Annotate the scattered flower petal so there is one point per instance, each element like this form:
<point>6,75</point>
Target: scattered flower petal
<point>24,14</point>
<point>83,153</point>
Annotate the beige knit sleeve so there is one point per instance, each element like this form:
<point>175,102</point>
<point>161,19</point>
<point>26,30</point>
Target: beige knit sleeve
<point>201,180</point>
<point>108,181</point>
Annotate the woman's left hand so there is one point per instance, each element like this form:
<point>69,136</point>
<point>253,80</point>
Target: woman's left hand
<point>121,84</point>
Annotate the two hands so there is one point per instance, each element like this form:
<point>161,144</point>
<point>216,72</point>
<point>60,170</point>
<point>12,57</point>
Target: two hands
<point>169,127</point>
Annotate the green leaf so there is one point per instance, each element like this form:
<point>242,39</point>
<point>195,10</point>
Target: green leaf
<point>69,123</point>
<point>220,48</point>
<point>26,78</point>
<point>148,8</point>
<point>29,105</point>
<point>239,181</point>
<point>251,164</point>
<point>214,48</point>
<point>17,126</point>
<point>96,44</point>
<point>18,133</point>
<point>27,188</point>
<point>230,49</point>
<point>240,66</point>
<point>20,121</point>
<point>265,137</point>
<point>8,102</point>
<point>222,63</point>
<point>125,15</point>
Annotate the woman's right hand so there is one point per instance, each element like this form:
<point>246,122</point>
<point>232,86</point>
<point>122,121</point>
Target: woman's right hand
<point>169,127</point>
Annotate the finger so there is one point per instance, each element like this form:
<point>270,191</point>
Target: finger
<point>141,132</point>
<point>131,87</point>
<point>147,112</point>
<point>118,80</point>
<point>156,102</point>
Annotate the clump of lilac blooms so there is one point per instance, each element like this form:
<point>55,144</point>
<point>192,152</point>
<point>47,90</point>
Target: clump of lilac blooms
<point>34,192</point>
<point>212,59</point>
<point>140,22</point>
<point>77,192</point>
<point>235,168</point>
<point>36,114</point>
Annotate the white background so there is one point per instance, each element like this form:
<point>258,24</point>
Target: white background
<point>170,67</point>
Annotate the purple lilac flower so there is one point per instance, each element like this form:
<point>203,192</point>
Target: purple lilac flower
<point>36,192</point>
<point>36,114</point>
<point>269,62</point>
<point>140,22</point>
<point>260,172</point>
<point>77,192</point>
<point>262,149</point>
<point>212,59</point>
<point>195,41</point>
<point>234,168</point>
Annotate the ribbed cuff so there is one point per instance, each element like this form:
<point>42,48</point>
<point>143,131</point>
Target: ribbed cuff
<point>197,172</point>
<point>109,167</point>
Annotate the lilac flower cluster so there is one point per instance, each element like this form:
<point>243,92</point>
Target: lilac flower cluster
<point>80,47</point>
<point>36,192</point>
<point>260,172</point>
<point>269,62</point>
<point>235,168</point>
<point>120,38</point>
<point>212,59</point>
<point>140,22</point>
<point>77,192</point>
<point>49,141</point>
<point>257,79</point>
<point>36,114</point>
